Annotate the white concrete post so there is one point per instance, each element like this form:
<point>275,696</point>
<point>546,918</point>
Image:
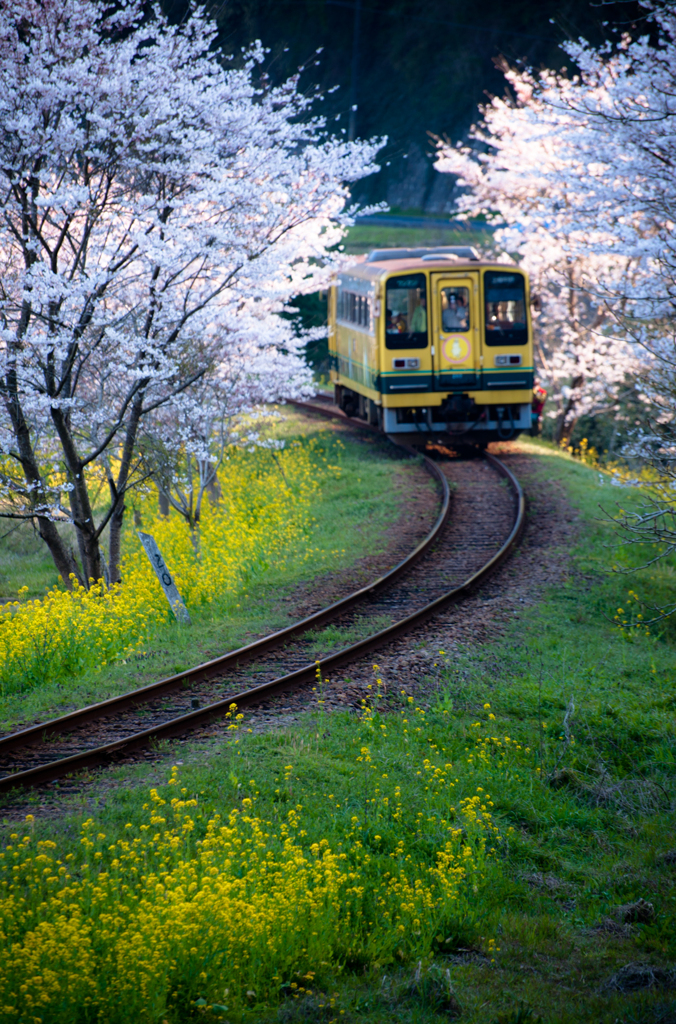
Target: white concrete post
<point>164,576</point>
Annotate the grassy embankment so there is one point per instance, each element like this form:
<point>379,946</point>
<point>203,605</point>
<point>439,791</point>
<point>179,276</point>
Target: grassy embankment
<point>364,237</point>
<point>474,835</point>
<point>284,520</point>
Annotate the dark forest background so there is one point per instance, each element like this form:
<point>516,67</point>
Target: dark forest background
<point>411,68</point>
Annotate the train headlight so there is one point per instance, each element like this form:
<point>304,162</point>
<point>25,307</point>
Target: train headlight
<point>513,359</point>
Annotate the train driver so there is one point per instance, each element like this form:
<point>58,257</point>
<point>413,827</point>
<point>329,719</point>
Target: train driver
<point>455,316</point>
<point>419,318</point>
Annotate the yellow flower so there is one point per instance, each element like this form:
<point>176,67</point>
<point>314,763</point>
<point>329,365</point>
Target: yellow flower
<point>264,517</point>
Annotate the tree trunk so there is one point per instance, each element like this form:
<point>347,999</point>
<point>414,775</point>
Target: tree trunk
<point>76,515</point>
<point>62,555</point>
<point>565,426</point>
<point>115,542</point>
<point>214,489</point>
<point>83,513</point>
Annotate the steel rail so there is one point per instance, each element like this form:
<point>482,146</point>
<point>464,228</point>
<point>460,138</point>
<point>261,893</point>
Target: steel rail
<point>35,734</point>
<point>97,756</point>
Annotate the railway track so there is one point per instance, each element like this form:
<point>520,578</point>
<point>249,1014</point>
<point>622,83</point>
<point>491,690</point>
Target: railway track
<point>457,554</point>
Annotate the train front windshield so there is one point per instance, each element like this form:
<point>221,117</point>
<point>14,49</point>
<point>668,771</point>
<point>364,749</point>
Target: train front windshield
<point>505,297</point>
<point>406,313</point>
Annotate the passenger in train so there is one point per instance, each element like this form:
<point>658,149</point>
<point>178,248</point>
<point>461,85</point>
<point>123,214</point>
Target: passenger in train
<point>395,323</point>
<point>419,318</point>
<point>455,316</point>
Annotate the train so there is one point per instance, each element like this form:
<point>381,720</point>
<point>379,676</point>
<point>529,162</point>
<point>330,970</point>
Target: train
<point>434,344</point>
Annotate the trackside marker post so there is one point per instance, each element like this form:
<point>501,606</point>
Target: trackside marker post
<point>170,589</point>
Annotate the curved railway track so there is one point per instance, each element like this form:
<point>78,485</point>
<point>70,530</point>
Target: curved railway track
<point>457,554</point>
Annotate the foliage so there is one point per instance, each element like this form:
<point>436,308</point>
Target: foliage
<point>583,802</point>
<point>648,529</point>
<point>309,314</point>
<point>354,510</point>
<point>66,632</point>
<point>264,516</point>
<point>184,912</point>
<point>579,169</point>
<point>361,238</point>
<point>159,208</point>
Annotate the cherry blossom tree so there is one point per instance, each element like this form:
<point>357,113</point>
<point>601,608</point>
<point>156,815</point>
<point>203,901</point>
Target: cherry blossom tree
<point>580,172</point>
<point>575,176</point>
<point>623,108</point>
<point>158,211</point>
<point>186,441</point>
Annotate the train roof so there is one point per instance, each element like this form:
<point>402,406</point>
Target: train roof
<point>462,252</point>
<point>385,261</point>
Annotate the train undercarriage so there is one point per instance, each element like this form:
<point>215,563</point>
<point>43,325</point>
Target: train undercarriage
<point>458,419</point>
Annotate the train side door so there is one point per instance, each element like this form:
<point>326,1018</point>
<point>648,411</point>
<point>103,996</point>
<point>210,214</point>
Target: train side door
<point>456,351</point>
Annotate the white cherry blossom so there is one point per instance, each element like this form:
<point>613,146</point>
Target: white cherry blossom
<point>578,175</point>
<point>157,212</point>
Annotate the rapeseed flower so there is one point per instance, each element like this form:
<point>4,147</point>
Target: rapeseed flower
<point>263,520</point>
<point>164,917</point>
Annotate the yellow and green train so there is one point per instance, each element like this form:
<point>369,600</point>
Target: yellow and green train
<point>432,344</point>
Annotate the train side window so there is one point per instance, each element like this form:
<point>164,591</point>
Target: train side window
<point>455,314</point>
<point>406,318</point>
<point>353,309</point>
<point>505,297</point>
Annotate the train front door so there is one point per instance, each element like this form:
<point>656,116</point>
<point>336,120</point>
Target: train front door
<point>455,331</point>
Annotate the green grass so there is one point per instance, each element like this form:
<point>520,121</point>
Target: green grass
<point>364,237</point>
<point>357,509</point>
<point>24,562</point>
<point>587,816</point>
<point>600,548</point>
